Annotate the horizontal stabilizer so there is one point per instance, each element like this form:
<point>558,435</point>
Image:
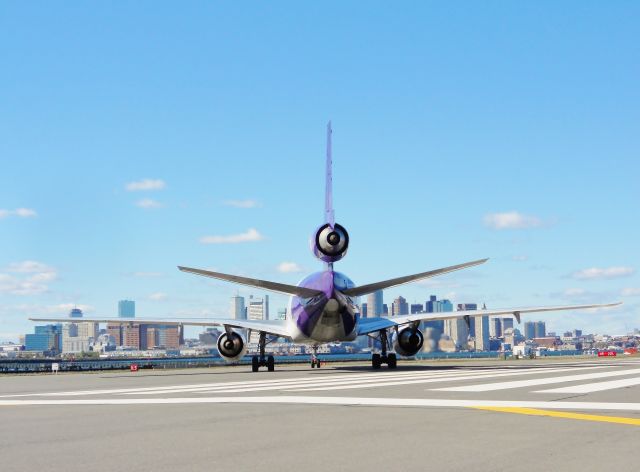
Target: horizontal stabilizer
<point>264,284</point>
<point>370,288</point>
<point>275,327</point>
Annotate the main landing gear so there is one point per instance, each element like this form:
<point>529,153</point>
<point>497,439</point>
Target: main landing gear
<point>315,362</point>
<point>378,359</point>
<point>262,360</point>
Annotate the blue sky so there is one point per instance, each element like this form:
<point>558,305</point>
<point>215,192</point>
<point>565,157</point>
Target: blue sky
<point>131,131</point>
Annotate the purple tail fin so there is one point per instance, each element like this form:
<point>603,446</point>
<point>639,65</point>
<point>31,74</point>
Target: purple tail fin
<point>328,198</point>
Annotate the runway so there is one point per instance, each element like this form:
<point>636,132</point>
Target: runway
<point>457,415</point>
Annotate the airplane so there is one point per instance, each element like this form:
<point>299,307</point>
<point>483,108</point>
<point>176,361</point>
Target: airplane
<point>323,307</point>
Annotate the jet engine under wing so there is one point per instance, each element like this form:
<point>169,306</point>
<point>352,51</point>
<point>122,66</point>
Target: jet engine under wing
<point>369,325</point>
<point>275,327</point>
<point>265,284</point>
<point>370,288</point>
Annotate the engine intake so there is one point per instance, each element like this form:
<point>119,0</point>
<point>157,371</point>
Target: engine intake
<point>408,342</point>
<point>232,346</point>
<point>330,244</point>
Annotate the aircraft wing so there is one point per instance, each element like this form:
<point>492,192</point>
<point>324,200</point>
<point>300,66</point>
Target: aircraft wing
<point>370,325</point>
<point>370,288</point>
<point>275,327</point>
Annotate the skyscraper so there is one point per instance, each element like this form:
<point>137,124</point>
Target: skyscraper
<point>472,325</point>
<point>529,330</point>
<point>417,308</point>
<point>495,327</point>
<point>506,324</point>
<point>540,329</point>
<point>258,310</point>
<point>126,309</point>
<point>400,307</point>
<point>238,311</point>
<point>482,333</point>
<point>458,331</point>
<point>375,304</point>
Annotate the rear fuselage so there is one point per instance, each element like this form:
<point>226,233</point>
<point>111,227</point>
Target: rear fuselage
<point>325,318</point>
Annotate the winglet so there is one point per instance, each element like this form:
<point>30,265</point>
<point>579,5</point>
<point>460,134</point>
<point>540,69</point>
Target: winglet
<point>328,195</point>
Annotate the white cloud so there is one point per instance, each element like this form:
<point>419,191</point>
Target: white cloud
<point>289,267</point>
<point>520,258</point>
<point>158,296</point>
<point>631,292</point>
<point>19,212</point>
<point>574,292</point>
<point>511,220</point>
<point>148,203</point>
<point>242,203</point>
<point>27,278</point>
<point>251,235</point>
<point>593,273</point>
<point>145,184</point>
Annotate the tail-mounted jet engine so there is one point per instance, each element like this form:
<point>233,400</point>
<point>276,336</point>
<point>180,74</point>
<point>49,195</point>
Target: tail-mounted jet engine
<point>330,244</point>
<point>232,346</point>
<point>408,342</point>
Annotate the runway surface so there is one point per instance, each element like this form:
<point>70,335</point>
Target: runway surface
<point>453,416</point>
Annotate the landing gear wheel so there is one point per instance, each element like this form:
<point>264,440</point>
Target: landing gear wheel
<point>313,364</point>
<point>376,361</point>
<point>271,364</point>
<point>318,363</point>
<point>392,361</point>
<point>255,364</point>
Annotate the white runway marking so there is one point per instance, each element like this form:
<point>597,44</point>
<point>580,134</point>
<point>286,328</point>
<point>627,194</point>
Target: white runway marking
<point>595,387</point>
<point>452,378</point>
<point>543,381</point>
<point>344,401</point>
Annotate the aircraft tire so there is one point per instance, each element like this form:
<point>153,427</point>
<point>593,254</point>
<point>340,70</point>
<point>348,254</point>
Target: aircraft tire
<point>255,364</point>
<point>375,361</point>
<point>271,364</point>
<point>392,361</point>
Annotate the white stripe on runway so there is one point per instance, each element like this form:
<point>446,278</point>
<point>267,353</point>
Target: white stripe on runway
<point>346,401</point>
<point>532,382</point>
<point>595,387</point>
<point>489,374</point>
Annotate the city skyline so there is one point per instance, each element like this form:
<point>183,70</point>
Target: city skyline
<point>125,157</point>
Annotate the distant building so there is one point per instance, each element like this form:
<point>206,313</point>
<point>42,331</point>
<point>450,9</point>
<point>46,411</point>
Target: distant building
<point>577,333</point>
<point>115,330</point>
<point>385,310</point>
<point>126,309</point>
<point>540,329</point>
<point>400,307</point>
<point>481,333</point>
<point>168,337</point>
<point>457,330</point>
<point>131,336</point>
<point>47,339</point>
<point>416,308</point>
<point>506,324</point>
<point>529,330</point>
<point>282,314</point>
<point>364,309</point>
<point>75,313</point>
<point>238,310</point>
<point>210,336</point>
<point>495,327</point>
<point>258,309</point>
<point>375,304</point>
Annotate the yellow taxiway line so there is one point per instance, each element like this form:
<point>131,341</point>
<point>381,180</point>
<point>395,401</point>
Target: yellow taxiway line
<point>562,414</point>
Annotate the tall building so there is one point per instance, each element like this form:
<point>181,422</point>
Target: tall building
<point>540,329</point>
<point>472,325</point>
<point>457,330</point>
<point>529,330</point>
<point>168,337</point>
<point>495,327</point>
<point>364,309</point>
<point>126,309</point>
<point>417,308</point>
<point>506,324</point>
<point>75,313</point>
<point>131,336</point>
<point>258,309</point>
<point>399,307</point>
<point>74,337</point>
<point>47,338</point>
<point>282,314</point>
<point>115,330</point>
<point>375,304</point>
<point>481,333</point>
<point>238,311</point>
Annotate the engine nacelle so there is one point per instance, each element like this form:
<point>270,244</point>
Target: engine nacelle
<point>330,244</point>
<point>232,346</point>
<point>408,342</point>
